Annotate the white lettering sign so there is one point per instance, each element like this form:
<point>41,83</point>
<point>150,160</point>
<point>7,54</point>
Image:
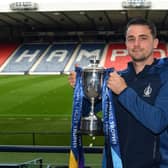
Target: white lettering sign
<point>26,54</point>
<point>118,52</point>
<point>85,53</point>
<point>61,54</point>
<point>162,53</point>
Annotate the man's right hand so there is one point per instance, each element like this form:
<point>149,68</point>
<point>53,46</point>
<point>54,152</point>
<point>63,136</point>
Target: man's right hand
<point>72,78</point>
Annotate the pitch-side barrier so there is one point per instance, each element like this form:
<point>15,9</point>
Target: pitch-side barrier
<point>37,163</point>
<point>46,149</point>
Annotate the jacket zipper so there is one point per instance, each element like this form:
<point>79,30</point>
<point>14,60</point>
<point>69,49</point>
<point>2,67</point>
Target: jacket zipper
<point>154,148</point>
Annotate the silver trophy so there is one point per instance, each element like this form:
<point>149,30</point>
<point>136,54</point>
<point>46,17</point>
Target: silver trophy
<point>92,77</point>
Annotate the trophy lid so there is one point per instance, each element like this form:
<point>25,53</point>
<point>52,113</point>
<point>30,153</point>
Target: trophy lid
<point>94,64</point>
<point>94,61</point>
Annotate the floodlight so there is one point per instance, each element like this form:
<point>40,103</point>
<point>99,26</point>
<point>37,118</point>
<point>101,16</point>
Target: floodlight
<point>136,4</point>
<point>24,6</point>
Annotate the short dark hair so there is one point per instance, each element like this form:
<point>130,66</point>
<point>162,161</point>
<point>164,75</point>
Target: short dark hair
<point>141,21</point>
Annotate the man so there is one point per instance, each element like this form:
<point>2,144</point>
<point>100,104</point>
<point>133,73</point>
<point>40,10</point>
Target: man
<point>140,99</point>
<point>149,102</point>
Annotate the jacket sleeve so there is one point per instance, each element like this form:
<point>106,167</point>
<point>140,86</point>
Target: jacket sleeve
<point>154,117</point>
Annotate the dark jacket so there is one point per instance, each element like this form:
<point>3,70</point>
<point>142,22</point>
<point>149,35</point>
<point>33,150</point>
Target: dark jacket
<point>146,99</point>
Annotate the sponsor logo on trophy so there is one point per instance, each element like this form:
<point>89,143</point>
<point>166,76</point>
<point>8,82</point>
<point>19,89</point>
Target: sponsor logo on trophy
<point>92,80</point>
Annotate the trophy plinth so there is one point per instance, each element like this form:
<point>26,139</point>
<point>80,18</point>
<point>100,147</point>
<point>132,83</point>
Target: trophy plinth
<point>92,78</point>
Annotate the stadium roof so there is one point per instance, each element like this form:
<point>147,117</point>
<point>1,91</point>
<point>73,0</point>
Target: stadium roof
<point>72,20</point>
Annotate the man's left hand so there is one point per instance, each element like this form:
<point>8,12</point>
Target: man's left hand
<point>116,83</point>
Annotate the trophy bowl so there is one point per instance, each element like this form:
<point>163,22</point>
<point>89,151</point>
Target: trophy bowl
<point>92,79</point>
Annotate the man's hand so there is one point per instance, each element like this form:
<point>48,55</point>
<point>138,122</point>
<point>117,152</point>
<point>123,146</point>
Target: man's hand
<point>116,83</point>
<point>72,78</point>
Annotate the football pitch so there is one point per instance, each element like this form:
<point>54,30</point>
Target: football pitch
<point>36,110</point>
<point>34,104</point>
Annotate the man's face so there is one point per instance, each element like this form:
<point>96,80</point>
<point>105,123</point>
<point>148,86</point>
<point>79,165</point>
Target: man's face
<point>140,42</point>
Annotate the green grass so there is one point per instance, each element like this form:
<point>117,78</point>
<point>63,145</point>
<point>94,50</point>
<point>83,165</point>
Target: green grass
<point>36,110</point>
<point>49,158</point>
<point>36,105</point>
<point>35,96</point>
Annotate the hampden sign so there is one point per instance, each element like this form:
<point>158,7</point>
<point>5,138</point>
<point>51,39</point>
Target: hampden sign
<point>24,6</point>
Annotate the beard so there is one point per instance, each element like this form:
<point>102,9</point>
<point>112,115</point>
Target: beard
<point>142,58</point>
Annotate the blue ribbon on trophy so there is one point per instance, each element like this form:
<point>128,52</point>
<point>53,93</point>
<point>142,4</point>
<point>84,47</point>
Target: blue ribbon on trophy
<point>111,154</point>
<point>76,153</point>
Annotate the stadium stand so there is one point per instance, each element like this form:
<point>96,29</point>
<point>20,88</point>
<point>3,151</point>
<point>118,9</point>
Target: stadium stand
<point>85,52</point>
<point>6,49</point>
<point>24,58</point>
<point>57,58</point>
<point>54,59</point>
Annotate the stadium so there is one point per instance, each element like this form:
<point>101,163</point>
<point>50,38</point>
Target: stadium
<point>40,43</point>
